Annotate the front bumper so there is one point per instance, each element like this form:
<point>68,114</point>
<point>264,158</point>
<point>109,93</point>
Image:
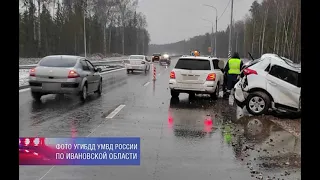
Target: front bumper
<point>240,95</point>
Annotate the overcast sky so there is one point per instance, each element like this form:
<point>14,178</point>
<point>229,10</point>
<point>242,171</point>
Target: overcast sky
<point>175,20</point>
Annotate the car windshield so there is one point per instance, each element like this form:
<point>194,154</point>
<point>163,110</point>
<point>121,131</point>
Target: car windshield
<point>58,62</point>
<point>193,64</point>
<point>156,54</point>
<point>136,57</point>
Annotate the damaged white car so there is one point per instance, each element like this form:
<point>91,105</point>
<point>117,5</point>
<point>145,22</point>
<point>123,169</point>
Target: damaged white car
<point>270,83</point>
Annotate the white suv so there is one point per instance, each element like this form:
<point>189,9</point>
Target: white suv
<point>196,75</point>
<point>271,82</point>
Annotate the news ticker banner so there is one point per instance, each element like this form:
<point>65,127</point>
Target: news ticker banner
<point>79,151</point>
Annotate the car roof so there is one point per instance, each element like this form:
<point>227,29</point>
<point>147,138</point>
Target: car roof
<point>195,57</point>
<point>282,61</point>
<point>65,56</point>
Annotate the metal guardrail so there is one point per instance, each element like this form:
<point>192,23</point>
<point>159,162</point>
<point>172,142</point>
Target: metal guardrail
<point>95,63</point>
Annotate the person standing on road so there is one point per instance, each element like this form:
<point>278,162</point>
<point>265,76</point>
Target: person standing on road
<point>232,70</point>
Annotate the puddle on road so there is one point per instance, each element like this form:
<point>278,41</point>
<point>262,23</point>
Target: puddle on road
<point>265,149</point>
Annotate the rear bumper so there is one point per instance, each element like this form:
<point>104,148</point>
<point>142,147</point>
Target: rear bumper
<point>64,88</point>
<point>135,67</point>
<point>205,88</point>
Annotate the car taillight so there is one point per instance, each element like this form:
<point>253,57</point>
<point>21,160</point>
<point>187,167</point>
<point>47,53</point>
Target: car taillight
<point>248,71</point>
<point>142,62</point>
<point>73,74</point>
<point>211,77</point>
<point>32,72</point>
<point>172,75</point>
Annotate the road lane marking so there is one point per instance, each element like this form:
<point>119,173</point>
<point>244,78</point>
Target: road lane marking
<point>115,112</point>
<point>146,84</point>
<point>159,74</point>
<point>111,115</point>
<point>28,89</point>
<point>47,172</point>
<point>24,90</point>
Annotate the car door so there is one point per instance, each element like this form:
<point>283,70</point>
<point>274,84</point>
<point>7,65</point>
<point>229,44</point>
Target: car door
<point>95,77</point>
<point>218,70</point>
<point>87,73</point>
<point>284,86</point>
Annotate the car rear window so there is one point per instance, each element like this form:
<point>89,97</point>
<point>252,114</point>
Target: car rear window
<point>136,57</point>
<point>156,54</point>
<point>193,64</point>
<point>58,62</point>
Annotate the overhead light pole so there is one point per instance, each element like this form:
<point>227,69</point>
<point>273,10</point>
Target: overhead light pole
<point>215,36</point>
<point>211,41</point>
<point>84,29</point>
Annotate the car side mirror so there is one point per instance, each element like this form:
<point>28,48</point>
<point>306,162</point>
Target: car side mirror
<point>98,69</point>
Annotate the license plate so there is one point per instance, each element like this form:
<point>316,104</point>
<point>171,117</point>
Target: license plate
<point>190,78</point>
<point>51,86</point>
<point>187,85</point>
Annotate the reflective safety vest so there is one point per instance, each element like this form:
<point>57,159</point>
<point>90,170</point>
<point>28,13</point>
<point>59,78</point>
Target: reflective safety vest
<point>234,66</point>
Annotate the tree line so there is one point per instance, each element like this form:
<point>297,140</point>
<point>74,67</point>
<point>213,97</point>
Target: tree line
<point>272,26</point>
<point>57,27</point>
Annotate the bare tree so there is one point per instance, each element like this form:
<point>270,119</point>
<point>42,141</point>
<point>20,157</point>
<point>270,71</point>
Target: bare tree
<point>102,9</point>
<point>125,7</point>
<point>142,23</point>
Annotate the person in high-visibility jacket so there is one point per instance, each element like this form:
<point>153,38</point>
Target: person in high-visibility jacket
<point>232,70</point>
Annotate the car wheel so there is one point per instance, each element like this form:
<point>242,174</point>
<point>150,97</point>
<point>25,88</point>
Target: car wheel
<point>258,103</point>
<point>36,96</point>
<point>84,93</point>
<point>174,94</point>
<point>99,90</point>
<point>145,70</point>
<point>128,71</point>
<point>215,95</point>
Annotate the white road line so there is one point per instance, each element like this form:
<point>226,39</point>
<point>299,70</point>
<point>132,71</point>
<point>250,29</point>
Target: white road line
<point>159,74</point>
<point>24,90</point>
<point>146,84</point>
<point>47,172</point>
<point>115,112</point>
<point>28,89</point>
<point>111,115</point>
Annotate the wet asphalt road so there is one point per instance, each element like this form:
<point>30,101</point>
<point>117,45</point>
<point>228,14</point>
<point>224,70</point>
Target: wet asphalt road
<point>180,139</point>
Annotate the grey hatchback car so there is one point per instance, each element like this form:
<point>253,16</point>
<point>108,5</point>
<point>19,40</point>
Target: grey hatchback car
<point>65,74</point>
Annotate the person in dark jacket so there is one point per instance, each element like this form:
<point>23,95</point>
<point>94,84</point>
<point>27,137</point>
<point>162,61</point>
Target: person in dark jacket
<point>232,70</point>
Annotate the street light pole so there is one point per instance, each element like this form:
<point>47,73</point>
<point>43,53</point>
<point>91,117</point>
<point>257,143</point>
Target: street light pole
<point>84,32</point>
<point>211,39</point>
<point>230,31</point>
<point>215,36</point>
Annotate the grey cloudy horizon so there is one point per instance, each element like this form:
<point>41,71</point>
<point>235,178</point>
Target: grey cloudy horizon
<point>171,21</point>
